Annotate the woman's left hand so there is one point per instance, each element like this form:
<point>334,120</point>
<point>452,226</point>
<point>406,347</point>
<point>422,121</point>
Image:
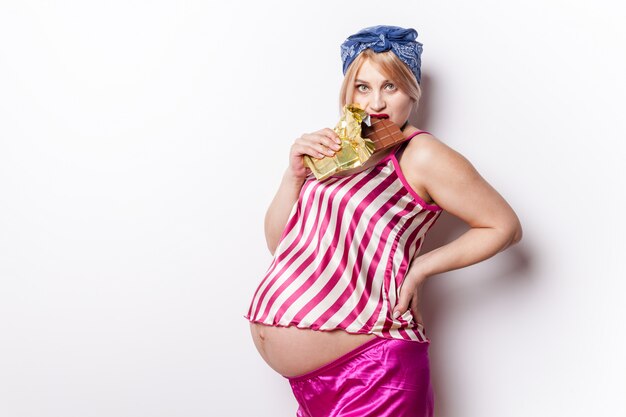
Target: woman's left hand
<point>410,293</point>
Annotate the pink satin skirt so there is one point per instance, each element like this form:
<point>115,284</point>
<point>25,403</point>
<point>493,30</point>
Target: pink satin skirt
<point>381,378</point>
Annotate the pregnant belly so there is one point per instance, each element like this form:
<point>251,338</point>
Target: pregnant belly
<point>291,351</point>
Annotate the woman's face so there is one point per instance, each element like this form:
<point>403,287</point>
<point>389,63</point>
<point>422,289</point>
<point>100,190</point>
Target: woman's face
<point>377,94</point>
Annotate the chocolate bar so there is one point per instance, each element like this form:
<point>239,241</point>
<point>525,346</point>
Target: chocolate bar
<point>383,132</point>
<point>355,150</point>
<point>363,138</point>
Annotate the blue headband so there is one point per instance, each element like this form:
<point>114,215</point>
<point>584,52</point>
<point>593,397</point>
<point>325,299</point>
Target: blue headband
<point>383,38</point>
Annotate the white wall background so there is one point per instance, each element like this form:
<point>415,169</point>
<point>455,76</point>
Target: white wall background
<point>141,142</point>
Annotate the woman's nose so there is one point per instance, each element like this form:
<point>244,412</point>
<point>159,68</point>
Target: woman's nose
<point>377,104</point>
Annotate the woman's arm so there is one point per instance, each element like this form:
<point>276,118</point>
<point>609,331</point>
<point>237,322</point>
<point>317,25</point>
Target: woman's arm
<point>318,144</point>
<point>278,212</point>
<point>453,182</point>
<point>456,186</point>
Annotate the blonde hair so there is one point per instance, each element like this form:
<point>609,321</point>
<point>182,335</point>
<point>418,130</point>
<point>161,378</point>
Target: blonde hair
<point>391,66</point>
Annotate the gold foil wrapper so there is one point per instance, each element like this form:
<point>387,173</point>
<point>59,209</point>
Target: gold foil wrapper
<point>355,150</point>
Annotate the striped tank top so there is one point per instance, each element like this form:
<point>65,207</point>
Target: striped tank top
<point>344,253</point>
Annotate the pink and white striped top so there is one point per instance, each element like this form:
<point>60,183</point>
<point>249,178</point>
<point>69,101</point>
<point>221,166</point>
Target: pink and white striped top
<point>344,253</point>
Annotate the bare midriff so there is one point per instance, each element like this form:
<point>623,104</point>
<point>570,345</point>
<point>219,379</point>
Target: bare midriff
<point>292,351</point>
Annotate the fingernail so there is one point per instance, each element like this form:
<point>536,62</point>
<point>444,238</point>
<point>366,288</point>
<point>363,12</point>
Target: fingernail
<point>396,314</point>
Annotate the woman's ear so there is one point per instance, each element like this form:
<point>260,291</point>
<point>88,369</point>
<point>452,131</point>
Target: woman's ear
<point>414,106</point>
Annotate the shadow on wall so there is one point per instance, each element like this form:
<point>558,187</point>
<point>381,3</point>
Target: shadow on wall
<point>420,116</point>
<point>437,299</point>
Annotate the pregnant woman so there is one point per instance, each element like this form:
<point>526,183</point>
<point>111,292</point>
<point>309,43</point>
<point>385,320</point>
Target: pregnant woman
<point>337,311</point>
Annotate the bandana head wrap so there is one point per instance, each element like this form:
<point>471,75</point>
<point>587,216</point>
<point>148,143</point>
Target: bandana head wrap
<point>383,38</point>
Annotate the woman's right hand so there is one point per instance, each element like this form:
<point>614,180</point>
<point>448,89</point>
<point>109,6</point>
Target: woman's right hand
<point>324,142</point>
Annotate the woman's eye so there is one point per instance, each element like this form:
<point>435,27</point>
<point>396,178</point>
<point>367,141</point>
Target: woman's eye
<point>391,87</point>
<point>358,87</point>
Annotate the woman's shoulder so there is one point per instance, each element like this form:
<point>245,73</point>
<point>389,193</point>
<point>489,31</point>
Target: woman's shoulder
<point>422,141</point>
<point>425,150</point>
